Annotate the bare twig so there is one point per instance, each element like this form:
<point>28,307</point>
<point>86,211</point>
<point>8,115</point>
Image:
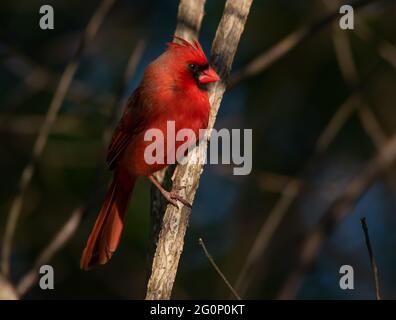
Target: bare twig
<point>386,50</point>
<point>335,214</point>
<point>221,274</point>
<point>272,182</point>
<point>284,46</point>
<point>372,125</point>
<point>344,54</point>
<point>337,121</point>
<point>57,243</point>
<point>171,238</point>
<point>350,74</point>
<point>374,267</point>
<point>72,224</point>
<point>39,145</point>
<point>388,53</point>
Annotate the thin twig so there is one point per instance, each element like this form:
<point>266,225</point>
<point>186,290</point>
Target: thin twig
<point>171,238</point>
<point>221,274</point>
<point>372,125</point>
<point>71,225</point>
<point>272,182</point>
<point>350,74</point>
<point>336,123</point>
<point>372,259</point>
<point>41,140</point>
<point>57,243</point>
<point>385,49</point>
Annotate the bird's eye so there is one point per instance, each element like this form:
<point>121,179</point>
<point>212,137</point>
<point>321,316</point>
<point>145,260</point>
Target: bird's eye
<point>193,67</point>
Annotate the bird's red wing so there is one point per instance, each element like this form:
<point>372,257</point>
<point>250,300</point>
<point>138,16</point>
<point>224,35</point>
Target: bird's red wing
<point>131,123</point>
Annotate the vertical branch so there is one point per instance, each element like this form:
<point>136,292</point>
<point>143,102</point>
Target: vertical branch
<point>41,140</point>
<point>189,20</point>
<point>372,260</point>
<point>171,238</point>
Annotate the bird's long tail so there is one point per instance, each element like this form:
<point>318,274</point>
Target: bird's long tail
<point>105,235</point>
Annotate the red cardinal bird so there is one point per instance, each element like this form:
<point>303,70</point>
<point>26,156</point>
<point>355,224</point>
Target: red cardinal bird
<point>174,87</point>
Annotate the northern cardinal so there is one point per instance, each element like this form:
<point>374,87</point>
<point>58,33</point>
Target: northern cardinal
<point>174,87</point>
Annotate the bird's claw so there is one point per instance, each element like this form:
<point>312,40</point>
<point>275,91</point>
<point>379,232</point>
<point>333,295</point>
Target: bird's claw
<point>173,202</point>
<point>172,197</point>
<point>175,196</point>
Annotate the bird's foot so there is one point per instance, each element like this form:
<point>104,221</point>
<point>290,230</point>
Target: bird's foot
<point>171,196</point>
<point>177,197</point>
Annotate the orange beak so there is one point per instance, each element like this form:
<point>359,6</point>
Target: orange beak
<point>208,76</point>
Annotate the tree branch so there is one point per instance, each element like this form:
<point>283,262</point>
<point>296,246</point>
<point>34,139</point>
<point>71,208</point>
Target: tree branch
<point>175,221</point>
<point>57,243</point>
<point>189,20</point>
<point>373,264</point>
<point>350,74</point>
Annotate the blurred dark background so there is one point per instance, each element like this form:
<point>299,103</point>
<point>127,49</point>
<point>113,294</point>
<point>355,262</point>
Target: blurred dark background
<point>287,106</point>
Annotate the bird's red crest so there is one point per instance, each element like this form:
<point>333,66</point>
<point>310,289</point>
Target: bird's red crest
<point>193,48</point>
